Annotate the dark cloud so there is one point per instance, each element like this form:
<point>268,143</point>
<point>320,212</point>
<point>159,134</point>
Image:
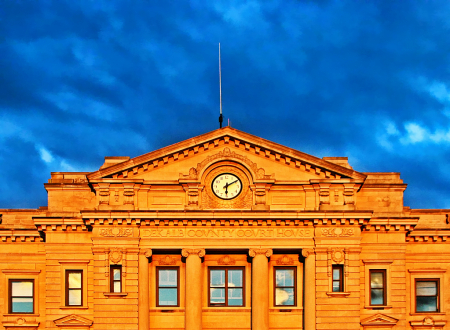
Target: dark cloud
<point>81,80</point>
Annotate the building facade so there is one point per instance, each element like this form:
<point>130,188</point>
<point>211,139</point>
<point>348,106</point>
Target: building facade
<point>224,231</point>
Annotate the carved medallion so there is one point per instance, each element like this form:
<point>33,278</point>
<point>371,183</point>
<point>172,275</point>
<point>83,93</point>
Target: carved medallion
<point>115,255</point>
<point>337,254</point>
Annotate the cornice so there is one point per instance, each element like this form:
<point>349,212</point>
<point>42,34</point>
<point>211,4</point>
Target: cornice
<point>20,236</point>
<point>428,235</point>
<point>391,224</point>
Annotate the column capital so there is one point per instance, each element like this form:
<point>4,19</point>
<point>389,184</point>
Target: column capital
<point>254,252</point>
<point>146,252</point>
<point>187,252</point>
<point>307,252</point>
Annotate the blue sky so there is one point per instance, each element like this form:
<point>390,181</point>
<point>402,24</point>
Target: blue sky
<point>80,80</point>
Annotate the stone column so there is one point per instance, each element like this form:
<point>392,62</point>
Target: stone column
<point>310,289</point>
<point>144,320</point>
<point>260,288</point>
<point>193,314</point>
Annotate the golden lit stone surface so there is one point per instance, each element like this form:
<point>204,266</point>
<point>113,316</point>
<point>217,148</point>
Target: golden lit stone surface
<point>156,218</point>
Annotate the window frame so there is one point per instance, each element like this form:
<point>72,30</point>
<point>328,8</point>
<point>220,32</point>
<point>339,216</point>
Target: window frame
<point>111,278</point>
<point>341,277</point>
<point>10,296</point>
<point>226,269</point>
<point>438,288</point>
<point>384,272</point>
<point>158,268</point>
<point>377,264</point>
<point>275,268</point>
<point>67,289</point>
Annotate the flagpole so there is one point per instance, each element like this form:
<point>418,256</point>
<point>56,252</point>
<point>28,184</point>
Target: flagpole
<point>220,89</point>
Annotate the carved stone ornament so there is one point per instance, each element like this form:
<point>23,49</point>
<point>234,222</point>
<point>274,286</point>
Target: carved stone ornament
<point>254,252</point>
<point>146,252</point>
<point>75,321</point>
<point>116,232</point>
<point>285,260</point>
<point>307,252</point>
<point>428,323</point>
<point>115,255</point>
<point>187,252</point>
<point>338,232</point>
<point>225,154</point>
<point>379,320</point>
<point>21,323</point>
<point>226,260</point>
<point>337,254</point>
<point>167,261</point>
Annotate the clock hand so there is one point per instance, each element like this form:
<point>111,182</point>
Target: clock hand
<point>226,188</point>
<point>233,182</point>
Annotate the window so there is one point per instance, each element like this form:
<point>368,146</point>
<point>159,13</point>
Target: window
<point>377,287</point>
<point>115,277</point>
<point>21,296</point>
<point>226,286</point>
<point>285,286</point>
<point>427,295</point>
<point>74,287</point>
<point>338,278</point>
<point>167,282</point>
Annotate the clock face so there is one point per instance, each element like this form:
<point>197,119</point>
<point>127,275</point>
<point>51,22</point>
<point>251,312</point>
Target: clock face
<point>226,186</point>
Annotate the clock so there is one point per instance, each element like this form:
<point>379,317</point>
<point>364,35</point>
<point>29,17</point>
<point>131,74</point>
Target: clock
<point>226,186</point>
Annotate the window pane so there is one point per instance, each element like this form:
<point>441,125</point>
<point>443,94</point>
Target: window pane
<point>285,277</point>
<point>426,288</point>
<point>168,297</point>
<point>376,297</point>
<point>235,278</point>
<point>284,297</point>
<point>22,289</point>
<point>168,277</point>
<point>235,297</point>
<point>217,296</point>
<point>336,274</point>
<point>75,280</point>
<point>22,305</point>
<point>116,274</point>
<point>218,278</point>
<point>116,287</point>
<point>75,297</point>
<point>376,280</point>
<point>336,286</point>
<point>427,304</point>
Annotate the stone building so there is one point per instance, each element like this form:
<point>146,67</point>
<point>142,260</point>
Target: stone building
<point>224,231</point>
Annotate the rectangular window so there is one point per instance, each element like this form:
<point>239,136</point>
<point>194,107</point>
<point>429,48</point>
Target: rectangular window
<point>115,278</point>
<point>74,287</point>
<point>285,286</point>
<point>377,287</point>
<point>338,278</point>
<point>226,286</point>
<point>168,283</point>
<point>21,296</point>
<point>427,295</point>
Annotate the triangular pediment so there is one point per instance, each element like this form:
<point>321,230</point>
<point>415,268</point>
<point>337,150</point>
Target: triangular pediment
<point>73,320</point>
<point>224,143</point>
<point>379,319</point>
